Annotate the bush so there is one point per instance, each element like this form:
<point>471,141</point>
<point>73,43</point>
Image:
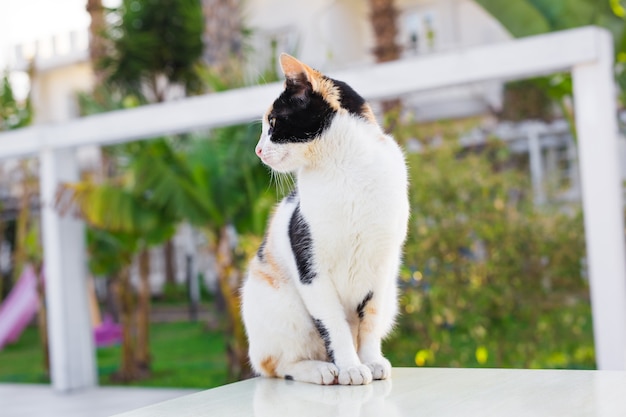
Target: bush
<point>490,279</point>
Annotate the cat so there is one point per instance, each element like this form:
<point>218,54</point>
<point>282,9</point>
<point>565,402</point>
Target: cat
<point>320,294</point>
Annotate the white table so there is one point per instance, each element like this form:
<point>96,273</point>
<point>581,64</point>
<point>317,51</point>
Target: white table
<point>415,392</point>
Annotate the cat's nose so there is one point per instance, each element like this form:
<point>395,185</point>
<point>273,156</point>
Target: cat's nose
<point>259,150</point>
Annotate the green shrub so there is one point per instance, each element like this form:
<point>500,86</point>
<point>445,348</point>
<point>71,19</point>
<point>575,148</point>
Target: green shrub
<point>489,279</point>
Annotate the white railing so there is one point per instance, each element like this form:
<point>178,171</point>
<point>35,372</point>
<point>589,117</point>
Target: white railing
<point>532,137</point>
<point>586,52</point>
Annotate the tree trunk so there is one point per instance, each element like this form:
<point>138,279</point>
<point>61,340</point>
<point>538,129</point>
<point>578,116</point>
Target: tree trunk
<point>42,318</point>
<point>223,33</point>
<point>20,253</point>
<point>143,315</point>
<point>128,368</point>
<point>229,283</point>
<point>97,46</point>
<point>169,253</point>
<point>383,17</point>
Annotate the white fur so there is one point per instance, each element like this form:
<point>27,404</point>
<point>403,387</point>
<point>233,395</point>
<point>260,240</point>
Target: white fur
<point>352,187</point>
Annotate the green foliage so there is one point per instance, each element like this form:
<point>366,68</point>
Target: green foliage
<point>490,279</point>
<point>232,177</point>
<point>109,251</point>
<point>519,17</point>
<point>167,180</point>
<point>533,17</point>
<point>13,114</point>
<point>153,39</point>
<point>538,98</point>
<point>620,50</point>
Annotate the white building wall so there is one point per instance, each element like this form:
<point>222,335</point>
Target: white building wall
<point>326,34</point>
<point>454,25</point>
<point>54,92</point>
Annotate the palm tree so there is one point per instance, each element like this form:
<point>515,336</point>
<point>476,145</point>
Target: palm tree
<point>126,217</point>
<point>238,185</point>
<point>218,186</point>
<point>97,42</point>
<point>383,18</point>
<point>15,114</point>
<point>151,49</point>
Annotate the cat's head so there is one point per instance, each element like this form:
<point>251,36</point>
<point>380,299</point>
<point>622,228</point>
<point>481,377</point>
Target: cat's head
<point>302,115</point>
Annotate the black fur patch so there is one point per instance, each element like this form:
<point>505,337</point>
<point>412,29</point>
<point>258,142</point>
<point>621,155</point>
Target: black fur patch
<point>323,331</point>
<point>301,246</point>
<point>300,114</point>
<point>349,99</point>
<point>360,310</point>
<point>260,252</point>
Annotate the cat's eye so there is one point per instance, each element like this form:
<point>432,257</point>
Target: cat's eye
<point>272,121</point>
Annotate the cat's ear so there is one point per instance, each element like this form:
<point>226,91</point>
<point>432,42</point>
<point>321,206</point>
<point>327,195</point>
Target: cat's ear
<point>299,76</point>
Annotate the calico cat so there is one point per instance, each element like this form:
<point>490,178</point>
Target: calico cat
<point>321,291</point>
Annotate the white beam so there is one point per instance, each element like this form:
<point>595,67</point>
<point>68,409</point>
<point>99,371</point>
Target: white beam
<point>596,124</point>
<point>72,358</point>
<point>507,60</point>
<point>521,58</point>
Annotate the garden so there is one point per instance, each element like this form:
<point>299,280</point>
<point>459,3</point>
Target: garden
<point>490,278</point>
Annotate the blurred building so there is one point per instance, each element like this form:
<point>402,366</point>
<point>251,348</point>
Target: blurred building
<point>333,35</point>
<point>329,35</point>
<point>59,68</point>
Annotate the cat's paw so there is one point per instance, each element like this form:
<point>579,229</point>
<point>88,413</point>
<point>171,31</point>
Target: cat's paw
<point>325,374</point>
<point>355,375</point>
<point>381,368</point>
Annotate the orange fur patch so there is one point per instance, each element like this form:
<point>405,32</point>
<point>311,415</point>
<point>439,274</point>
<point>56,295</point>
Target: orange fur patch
<point>268,279</point>
<point>369,114</point>
<point>267,271</point>
<point>268,366</point>
<point>366,324</point>
<point>329,92</point>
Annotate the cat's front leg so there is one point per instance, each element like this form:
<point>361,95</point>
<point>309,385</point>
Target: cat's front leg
<point>340,350</point>
<point>376,314</point>
<point>371,355</point>
<point>330,321</point>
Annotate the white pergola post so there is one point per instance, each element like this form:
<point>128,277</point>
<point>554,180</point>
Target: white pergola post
<point>71,345</point>
<point>536,166</point>
<point>596,124</point>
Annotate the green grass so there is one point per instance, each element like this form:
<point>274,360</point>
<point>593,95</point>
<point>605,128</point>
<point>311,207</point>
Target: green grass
<point>23,361</point>
<point>184,355</point>
<point>189,355</point>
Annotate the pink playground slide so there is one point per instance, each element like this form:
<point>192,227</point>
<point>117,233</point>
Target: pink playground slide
<point>19,308</point>
<point>22,304</point>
